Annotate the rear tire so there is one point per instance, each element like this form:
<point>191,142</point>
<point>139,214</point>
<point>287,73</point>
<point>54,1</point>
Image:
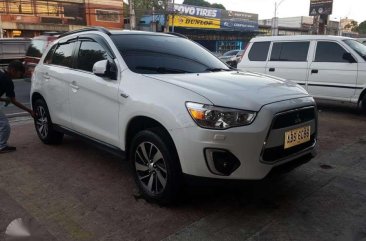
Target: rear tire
<point>363,104</point>
<point>43,124</point>
<point>155,166</point>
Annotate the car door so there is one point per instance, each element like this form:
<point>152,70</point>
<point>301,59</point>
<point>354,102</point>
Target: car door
<point>289,60</point>
<point>331,75</point>
<point>94,99</point>
<point>55,73</point>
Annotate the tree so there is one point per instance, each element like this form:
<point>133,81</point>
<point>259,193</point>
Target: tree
<point>353,26</point>
<point>362,28</point>
<point>203,3</point>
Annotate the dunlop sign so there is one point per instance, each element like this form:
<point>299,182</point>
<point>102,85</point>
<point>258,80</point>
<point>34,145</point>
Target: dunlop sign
<point>194,22</point>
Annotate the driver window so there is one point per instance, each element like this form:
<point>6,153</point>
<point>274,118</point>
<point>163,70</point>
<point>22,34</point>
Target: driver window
<point>90,52</point>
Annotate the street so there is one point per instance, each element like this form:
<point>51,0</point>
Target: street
<point>76,192</point>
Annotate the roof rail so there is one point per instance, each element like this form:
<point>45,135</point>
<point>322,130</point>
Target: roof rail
<point>100,29</point>
<point>178,34</point>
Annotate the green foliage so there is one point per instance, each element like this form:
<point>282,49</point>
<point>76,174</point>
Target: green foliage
<point>362,28</point>
<point>203,3</point>
<point>353,26</point>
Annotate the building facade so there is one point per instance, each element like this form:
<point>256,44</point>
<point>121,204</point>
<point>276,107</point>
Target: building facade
<point>29,18</point>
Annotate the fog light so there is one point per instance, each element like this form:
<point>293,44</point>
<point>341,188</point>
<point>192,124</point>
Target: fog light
<point>221,162</point>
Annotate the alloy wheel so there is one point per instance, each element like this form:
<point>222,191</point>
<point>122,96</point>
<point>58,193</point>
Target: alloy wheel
<point>151,168</point>
<point>42,122</point>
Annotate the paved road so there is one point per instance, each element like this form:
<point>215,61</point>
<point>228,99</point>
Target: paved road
<point>22,91</point>
<point>76,192</point>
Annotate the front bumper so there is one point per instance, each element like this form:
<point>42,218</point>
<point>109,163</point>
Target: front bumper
<point>246,143</point>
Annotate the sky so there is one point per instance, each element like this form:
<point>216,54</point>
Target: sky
<point>354,9</point>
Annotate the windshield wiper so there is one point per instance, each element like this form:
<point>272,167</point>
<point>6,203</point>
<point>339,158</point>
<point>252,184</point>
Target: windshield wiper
<point>162,70</point>
<point>216,69</point>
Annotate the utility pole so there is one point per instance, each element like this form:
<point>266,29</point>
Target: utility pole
<point>131,4</point>
<point>1,27</point>
<point>275,19</point>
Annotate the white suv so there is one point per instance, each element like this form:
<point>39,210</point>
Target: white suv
<point>170,107</point>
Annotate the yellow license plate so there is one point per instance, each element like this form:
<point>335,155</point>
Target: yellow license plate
<point>297,136</point>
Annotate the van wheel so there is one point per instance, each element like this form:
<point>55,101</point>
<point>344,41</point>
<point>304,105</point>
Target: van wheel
<point>363,104</point>
<point>43,124</point>
<point>155,166</point>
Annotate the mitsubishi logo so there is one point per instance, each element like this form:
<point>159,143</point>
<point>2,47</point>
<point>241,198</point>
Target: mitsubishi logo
<point>297,119</point>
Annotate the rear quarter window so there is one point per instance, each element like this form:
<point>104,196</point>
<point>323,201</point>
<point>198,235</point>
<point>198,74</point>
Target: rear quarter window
<point>259,51</point>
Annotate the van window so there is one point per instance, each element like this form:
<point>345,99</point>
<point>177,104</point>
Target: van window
<point>329,52</point>
<point>290,51</point>
<point>63,55</point>
<point>259,51</point>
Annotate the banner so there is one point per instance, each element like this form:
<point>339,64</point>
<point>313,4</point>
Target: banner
<point>189,10</point>
<point>194,22</point>
<point>226,14</point>
<point>321,7</point>
<point>239,25</point>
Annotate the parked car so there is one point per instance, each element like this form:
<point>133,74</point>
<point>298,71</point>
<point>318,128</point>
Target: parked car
<point>328,67</point>
<point>362,40</point>
<point>35,50</point>
<point>232,57</point>
<point>170,107</point>
<point>12,49</point>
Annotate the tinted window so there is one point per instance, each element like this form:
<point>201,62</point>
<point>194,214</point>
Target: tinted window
<point>329,52</point>
<point>36,48</point>
<point>63,54</point>
<point>290,51</point>
<point>164,54</point>
<point>259,51</point>
<point>90,53</point>
<point>48,58</point>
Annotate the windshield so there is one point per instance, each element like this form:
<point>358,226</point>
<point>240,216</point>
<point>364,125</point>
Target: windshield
<point>36,48</point>
<point>231,53</point>
<point>164,54</point>
<point>357,46</point>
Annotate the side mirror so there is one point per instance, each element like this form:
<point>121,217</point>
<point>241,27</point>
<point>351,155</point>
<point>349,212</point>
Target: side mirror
<point>349,58</point>
<point>100,68</point>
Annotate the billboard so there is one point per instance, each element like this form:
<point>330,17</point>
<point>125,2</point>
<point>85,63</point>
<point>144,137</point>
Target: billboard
<point>194,22</point>
<point>320,7</point>
<point>212,18</point>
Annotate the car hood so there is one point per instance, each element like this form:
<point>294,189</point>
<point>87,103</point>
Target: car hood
<point>241,90</point>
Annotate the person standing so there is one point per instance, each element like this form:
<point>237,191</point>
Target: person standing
<point>15,70</point>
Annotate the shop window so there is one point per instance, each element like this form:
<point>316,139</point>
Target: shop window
<point>20,6</point>
<point>107,16</point>
<point>46,8</point>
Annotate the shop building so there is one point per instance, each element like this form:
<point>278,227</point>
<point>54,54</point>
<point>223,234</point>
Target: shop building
<point>29,18</point>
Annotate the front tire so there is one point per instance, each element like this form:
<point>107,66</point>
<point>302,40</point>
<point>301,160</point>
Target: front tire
<point>155,166</point>
<point>43,124</point>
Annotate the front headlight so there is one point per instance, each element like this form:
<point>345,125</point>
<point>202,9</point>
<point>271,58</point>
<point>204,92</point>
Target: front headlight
<point>212,117</point>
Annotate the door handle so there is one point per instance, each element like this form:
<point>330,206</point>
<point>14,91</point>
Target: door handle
<point>124,95</point>
<point>314,71</point>
<point>272,69</point>
<point>74,86</point>
<point>46,76</point>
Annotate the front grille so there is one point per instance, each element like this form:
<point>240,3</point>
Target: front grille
<point>277,153</point>
<point>294,118</point>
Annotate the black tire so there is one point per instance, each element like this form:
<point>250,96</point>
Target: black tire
<point>43,124</point>
<point>157,172</point>
<point>363,104</point>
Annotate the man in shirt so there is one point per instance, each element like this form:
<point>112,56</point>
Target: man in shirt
<point>15,70</point>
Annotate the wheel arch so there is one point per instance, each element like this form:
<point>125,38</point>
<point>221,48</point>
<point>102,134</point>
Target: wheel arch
<point>140,123</point>
<point>362,95</point>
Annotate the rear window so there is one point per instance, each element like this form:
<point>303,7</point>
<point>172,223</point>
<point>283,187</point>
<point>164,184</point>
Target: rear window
<point>290,51</point>
<point>259,51</point>
<point>36,48</point>
<point>160,54</point>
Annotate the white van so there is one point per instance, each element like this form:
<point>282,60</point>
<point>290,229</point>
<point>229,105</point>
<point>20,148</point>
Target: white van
<point>328,67</point>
